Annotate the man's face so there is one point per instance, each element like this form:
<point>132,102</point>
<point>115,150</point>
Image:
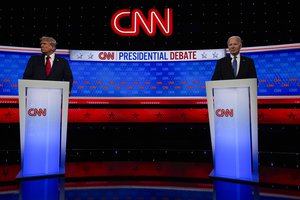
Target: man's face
<point>46,47</point>
<point>234,46</point>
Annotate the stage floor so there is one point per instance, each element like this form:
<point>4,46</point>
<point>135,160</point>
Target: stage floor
<point>147,180</point>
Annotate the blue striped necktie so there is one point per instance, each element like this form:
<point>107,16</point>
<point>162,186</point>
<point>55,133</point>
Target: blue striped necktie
<point>234,66</point>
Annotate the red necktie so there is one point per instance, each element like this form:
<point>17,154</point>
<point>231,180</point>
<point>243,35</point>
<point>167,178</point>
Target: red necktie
<point>48,65</point>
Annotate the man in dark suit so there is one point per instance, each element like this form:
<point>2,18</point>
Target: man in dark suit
<point>59,68</point>
<point>245,67</point>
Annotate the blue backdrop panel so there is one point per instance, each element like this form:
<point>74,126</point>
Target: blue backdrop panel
<point>278,74</point>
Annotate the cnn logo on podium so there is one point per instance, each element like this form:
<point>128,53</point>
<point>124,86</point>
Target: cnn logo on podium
<point>224,112</point>
<point>37,112</point>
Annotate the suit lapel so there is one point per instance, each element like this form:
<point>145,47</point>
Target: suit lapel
<point>54,65</point>
<point>229,64</point>
<point>242,66</point>
<point>43,65</point>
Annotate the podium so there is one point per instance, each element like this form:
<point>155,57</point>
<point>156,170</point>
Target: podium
<point>232,107</point>
<point>43,109</point>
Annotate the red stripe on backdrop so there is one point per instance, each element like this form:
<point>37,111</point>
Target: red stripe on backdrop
<point>283,176</point>
<point>169,115</point>
<point>279,116</point>
<point>138,115</point>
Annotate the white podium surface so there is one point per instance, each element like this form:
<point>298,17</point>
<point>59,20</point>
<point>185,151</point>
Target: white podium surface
<point>43,107</point>
<point>232,107</point>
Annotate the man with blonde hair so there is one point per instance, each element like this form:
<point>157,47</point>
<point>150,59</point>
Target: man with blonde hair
<point>48,65</point>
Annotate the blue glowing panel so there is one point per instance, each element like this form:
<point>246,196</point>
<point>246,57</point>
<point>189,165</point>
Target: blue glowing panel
<point>41,156</point>
<point>152,79</point>
<point>234,191</point>
<point>46,189</point>
<point>278,74</point>
<point>232,155</point>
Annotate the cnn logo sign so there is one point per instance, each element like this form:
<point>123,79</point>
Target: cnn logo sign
<point>138,20</point>
<point>106,55</point>
<point>224,112</point>
<point>33,112</point>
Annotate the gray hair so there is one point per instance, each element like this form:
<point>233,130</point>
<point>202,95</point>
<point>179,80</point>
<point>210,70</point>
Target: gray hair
<point>236,37</point>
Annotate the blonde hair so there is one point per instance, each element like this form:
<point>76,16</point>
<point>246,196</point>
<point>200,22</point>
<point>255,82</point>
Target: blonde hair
<point>51,40</point>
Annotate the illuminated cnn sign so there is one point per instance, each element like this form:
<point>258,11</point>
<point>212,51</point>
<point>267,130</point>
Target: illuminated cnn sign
<point>138,20</point>
<point>224,112</point>
<point>37,112</point>
<point>106,55</point>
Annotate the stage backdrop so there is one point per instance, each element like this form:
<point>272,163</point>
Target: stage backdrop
<point>148,74</point>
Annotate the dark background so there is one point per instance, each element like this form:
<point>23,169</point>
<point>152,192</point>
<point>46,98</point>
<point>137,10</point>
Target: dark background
<point>197,24</point>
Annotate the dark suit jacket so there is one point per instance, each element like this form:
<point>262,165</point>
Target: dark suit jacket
<point>224,70</point>
<point>60,71</point>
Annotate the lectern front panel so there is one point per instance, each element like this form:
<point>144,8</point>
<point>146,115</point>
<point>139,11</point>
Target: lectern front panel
<point>232,133</point>
<point>42,131</point>
<point>232,109</point>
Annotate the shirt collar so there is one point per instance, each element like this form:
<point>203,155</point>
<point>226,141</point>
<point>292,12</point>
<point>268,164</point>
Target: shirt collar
<point>51,55</point>
<point>237,56</point>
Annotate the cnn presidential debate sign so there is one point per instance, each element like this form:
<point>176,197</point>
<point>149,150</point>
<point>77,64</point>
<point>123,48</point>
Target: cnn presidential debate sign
<point>147,56</point>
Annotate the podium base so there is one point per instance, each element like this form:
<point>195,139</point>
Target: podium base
<point>20,175</point>
<point>253,179</point>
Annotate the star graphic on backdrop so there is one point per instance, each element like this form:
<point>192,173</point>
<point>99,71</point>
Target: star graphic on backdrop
<point>206,115</point>
<point>111,115</point>
<point>159,115</point>
<point>292,116</point>
<point>110,168</point>
<point>204,55</point>
<point>8,115</point>
<point>90,56</point>
<point>183,116</point>
<point>79,56</point>
<point>4,172</point>
<point>261,116</point>
<point>215,55</point>
<point>86,169</point>
<point>135,116</point>
<point>135,168</point>
<point>295,176</point>
<point>87,115</point>
<point>158,167</point>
